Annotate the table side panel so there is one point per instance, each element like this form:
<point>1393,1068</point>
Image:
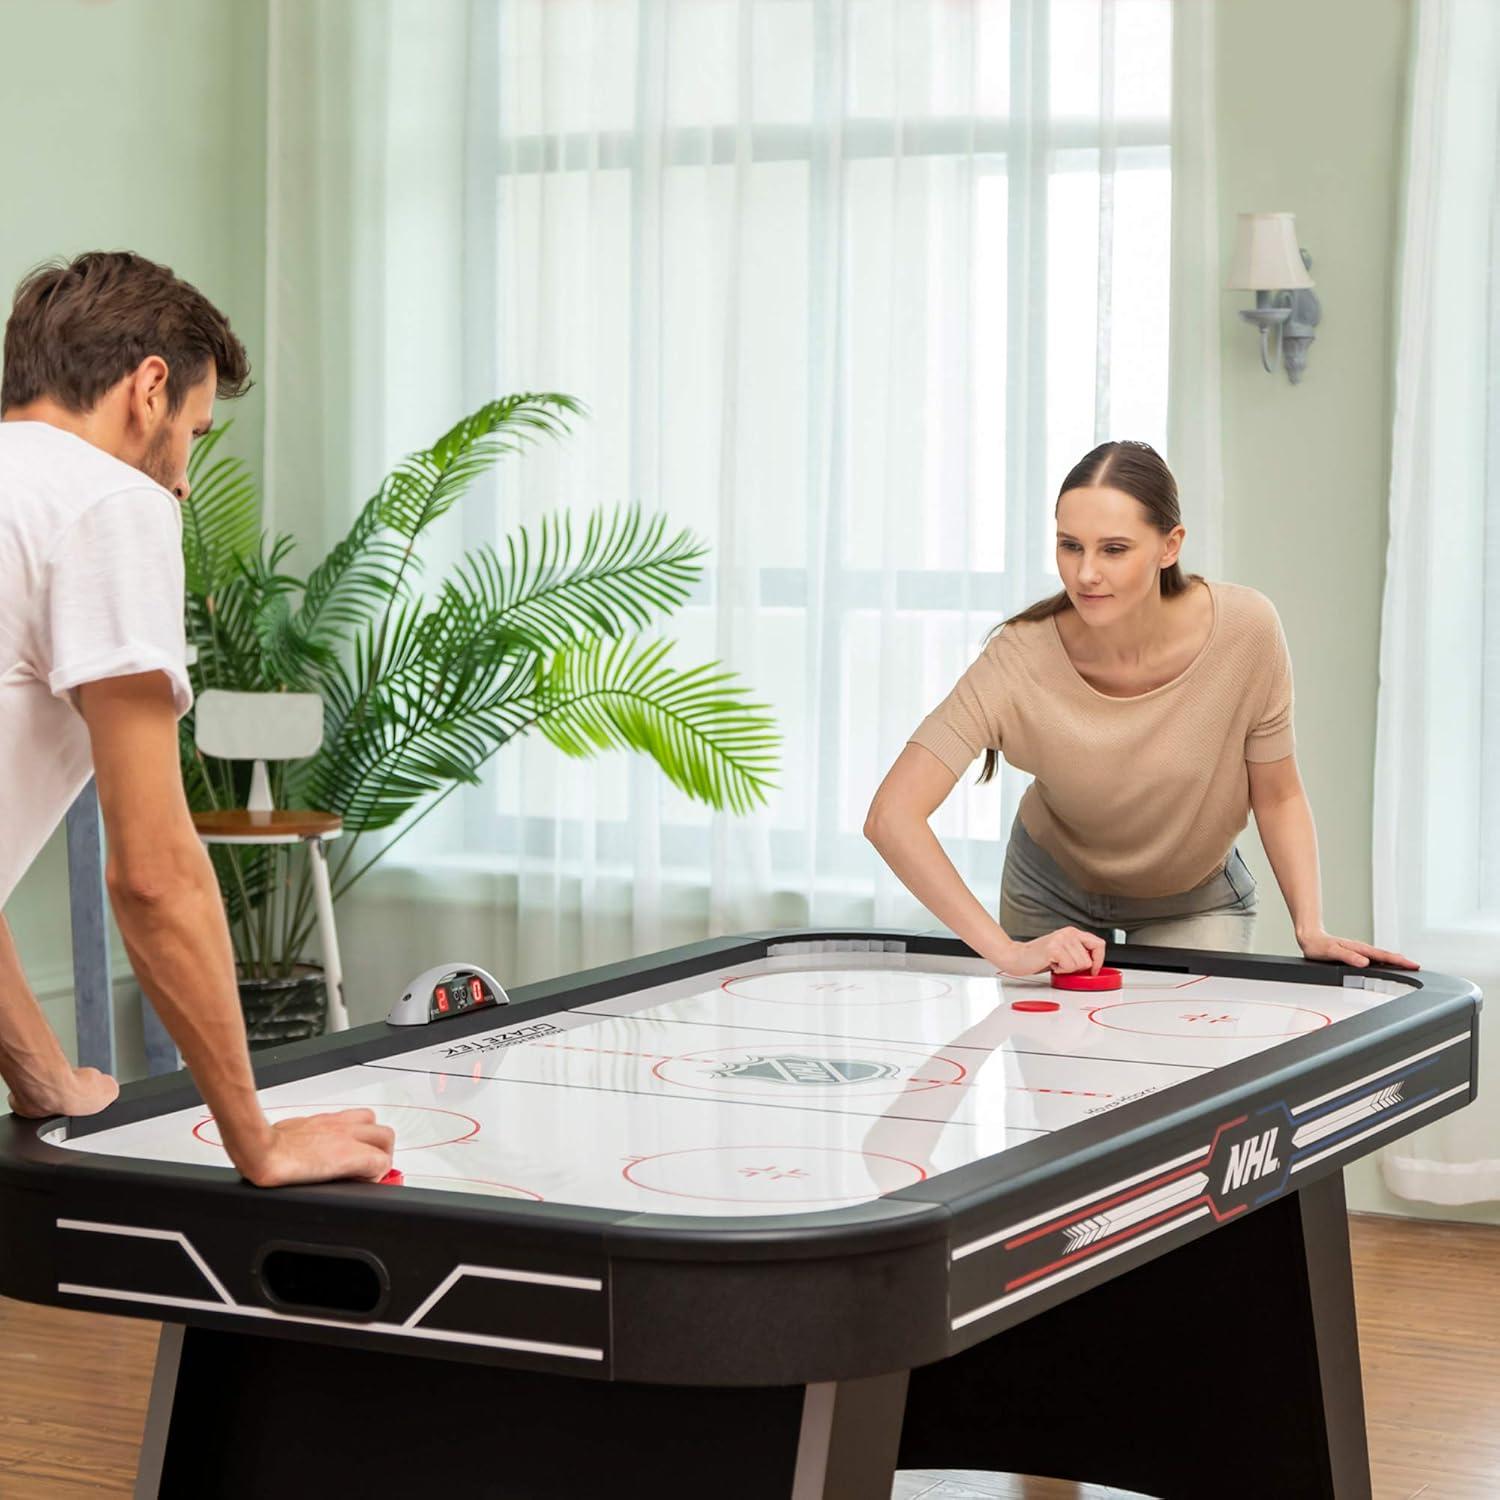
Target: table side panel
<point>1055,1235</point>
<point>508,1289</point>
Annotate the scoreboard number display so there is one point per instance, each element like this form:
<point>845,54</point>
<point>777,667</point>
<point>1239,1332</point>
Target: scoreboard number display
<point>451,989</point>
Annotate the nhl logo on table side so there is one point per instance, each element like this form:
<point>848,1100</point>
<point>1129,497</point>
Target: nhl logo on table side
<point>1248,1162</point>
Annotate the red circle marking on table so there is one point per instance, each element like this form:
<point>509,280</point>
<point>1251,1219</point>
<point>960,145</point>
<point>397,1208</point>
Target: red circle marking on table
<point>1035,1007</point>
<point>641,1161</point>
<point>298,1111</point>
<point>727,1085</point>
<point>1105,979</point>
<point>943,988</point>
<point>1319,1019</point>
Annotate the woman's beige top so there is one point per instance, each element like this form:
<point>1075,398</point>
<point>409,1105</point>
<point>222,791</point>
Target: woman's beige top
<point>1139,796</point>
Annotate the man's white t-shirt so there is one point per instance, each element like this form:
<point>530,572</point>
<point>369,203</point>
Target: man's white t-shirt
<point>91,586</point>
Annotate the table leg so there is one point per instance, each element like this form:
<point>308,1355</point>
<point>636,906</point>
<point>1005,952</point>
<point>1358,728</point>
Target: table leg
<point>1329,1278</point>
<point>92,987</point>
<point>161,1051</point>
<point>1229,1367</point>
<point>159,1412</point>
<point>846,1448</point>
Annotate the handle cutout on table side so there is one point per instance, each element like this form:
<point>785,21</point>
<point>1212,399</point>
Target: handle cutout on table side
<point>329,1280</point>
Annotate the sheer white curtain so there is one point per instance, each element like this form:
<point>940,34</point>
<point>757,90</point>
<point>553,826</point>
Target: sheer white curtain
<point>1437,768</point>
<point>847,285</point>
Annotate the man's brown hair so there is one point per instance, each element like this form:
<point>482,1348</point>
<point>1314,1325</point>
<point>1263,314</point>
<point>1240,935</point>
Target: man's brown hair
<point>77,328</point>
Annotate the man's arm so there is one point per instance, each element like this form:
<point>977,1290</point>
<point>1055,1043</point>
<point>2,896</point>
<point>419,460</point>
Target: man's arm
<point>166,903</point>
<point>42,1080</point>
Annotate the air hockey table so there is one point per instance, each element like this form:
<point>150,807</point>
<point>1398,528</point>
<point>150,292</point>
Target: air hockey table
<point>770,1216</point>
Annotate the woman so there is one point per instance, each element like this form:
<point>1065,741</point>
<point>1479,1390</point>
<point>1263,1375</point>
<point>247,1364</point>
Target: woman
<point>1154,711</point>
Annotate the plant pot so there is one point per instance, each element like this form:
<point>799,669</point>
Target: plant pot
<point>284,1010</point>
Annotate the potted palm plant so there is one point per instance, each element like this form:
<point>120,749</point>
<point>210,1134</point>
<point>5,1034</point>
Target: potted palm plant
<point>421,687</point>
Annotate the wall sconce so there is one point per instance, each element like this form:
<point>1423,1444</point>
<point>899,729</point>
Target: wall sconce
<point>1268,262</point>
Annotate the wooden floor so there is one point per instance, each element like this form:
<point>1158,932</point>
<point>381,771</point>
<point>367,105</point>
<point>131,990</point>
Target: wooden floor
<point>73,1386</point>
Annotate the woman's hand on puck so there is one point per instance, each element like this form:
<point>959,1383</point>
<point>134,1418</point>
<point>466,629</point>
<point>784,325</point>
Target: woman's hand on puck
<point>1069,950</point>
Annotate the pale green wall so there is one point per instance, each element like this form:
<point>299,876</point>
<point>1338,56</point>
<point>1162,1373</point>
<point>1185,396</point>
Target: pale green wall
<point>1306,467</point>
<point>137,125</point>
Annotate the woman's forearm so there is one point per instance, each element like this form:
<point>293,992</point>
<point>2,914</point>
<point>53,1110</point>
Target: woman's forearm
<point>909,846</point>
<point>1290,839</point>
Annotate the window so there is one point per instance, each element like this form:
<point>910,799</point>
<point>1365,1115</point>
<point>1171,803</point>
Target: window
<point>848,288</point>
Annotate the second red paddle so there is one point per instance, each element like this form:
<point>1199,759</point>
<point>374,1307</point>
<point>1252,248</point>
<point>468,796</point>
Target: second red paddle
<point>1105,979</point>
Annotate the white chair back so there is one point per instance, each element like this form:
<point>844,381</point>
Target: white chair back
<point>258,727</point>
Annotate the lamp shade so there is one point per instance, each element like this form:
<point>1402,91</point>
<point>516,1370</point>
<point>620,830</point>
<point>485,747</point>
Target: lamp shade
<point>1266,256</point>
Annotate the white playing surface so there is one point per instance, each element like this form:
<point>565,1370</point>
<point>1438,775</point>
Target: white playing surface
<point>788,1085</point>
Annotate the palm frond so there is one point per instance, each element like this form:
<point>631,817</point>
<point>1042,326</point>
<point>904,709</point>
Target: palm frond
<point>254,883</point>
<point>437,725</point>
<point>354,582</point>
<point>519,418</point>
<point>223,627</point>
<point>697,725</point>
<point>377,660</point>
<point>424,486</point>
<point>220,517</point>
<point>551,594</point>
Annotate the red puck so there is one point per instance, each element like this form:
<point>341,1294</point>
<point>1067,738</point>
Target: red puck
<point>394,1177</point>
<point>1105,979</point>
<point>1034,1007</point>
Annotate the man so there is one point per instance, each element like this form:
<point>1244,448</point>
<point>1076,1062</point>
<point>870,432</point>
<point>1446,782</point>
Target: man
<point>111,368</point>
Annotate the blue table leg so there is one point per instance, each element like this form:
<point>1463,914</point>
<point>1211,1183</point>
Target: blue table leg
<point>93,999</point>
<point>92,987</point>
<point>161,1050</point>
